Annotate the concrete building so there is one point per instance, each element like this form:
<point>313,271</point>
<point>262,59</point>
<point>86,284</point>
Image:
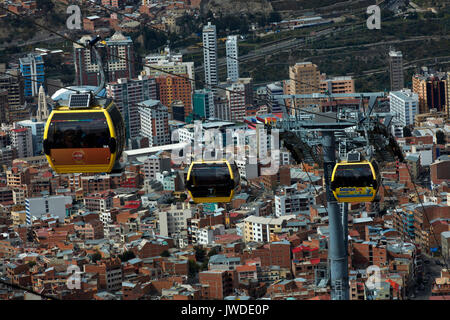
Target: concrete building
<point>154,119</point>
<point>22,140</point>
<point>155,164</point>
<point>175,88</point>
<point>337,85</point>
<point>260,229</point>
<point>292,201</point>
<point>232,58</point>
<point>445,244</point>
<point>127,94</point>
<point>239,95</point>
<point>37,134</point>
<point>217,284</point>
<point>396,70</point>
<point>203,104</point>
<point>404,105</point>
<point>304,78</point>
<point>210,55</point>
<point>110,274</point>
<point>432,88</point>
<point>272,90</point>
<point>159,64</point>
<point>55,205</point>
<point>221,106</point>
<point>13,82</point>
<point>120,62</point>
<point>173,220</point>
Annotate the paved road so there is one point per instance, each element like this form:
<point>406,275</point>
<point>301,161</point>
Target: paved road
<point>431,271</point>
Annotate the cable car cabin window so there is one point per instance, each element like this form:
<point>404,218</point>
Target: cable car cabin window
<point>211,180</point>
<point>79,130</point>
<point>353,176</point>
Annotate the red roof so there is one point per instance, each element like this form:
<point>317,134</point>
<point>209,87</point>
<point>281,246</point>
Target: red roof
<point>303,248</point>
<point>131,206</point>
<point>47,174</point>
<point>245,268</point>
<point>234,214</point>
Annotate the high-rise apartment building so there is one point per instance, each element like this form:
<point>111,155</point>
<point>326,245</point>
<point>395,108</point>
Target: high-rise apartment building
<point>127,94</point>
<point>239,95</point>
<point>174,88</point>
<point>432,89</point>
<point>203,104</point>
<point>154,122</point>
<point>159,64</point>
<point>210,55</point>
<point>304,78</point>
<point>118,61</point>
<point>232,58</point>
<point>4,107</point>
<point>404,105</point>
<point>396,70</point>
<point>32,69</point>
<point>37,134</point>
<point>221,107</point>
<point>337,85</point>
<point>275,104</point>
<point>13,82</point>
<point>22,140</point>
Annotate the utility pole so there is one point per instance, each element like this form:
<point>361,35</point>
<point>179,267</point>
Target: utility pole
<point>337,252</point>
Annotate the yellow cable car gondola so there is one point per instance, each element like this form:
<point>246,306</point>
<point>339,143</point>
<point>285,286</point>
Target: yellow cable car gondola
<point>84,134</point>
<point>212,181</point>
<point>355,181</point>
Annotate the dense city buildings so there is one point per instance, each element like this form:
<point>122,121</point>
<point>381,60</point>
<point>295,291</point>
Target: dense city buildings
<point>120,61</point>
<point>138,234</point>
<point>127,93</point>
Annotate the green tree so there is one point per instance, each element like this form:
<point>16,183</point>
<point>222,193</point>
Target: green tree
<point>407,132</point>
<point>440,137</point>
<point>200,254</point>
<point>274,16</point>
<point>165,253</point>
<point>213,252</point>
<point>127,255</point>
<point>96,256</point>
<point>193,268</point>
